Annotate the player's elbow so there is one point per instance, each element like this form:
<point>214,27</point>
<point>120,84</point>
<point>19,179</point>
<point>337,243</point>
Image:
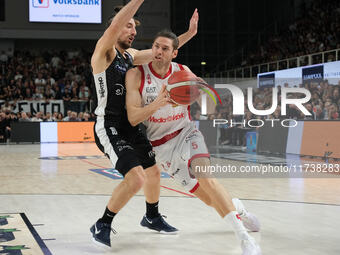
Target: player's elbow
<point>133,121</point>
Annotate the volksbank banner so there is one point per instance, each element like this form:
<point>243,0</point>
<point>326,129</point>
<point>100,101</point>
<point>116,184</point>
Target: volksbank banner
<point>68,11</point>
<point>295,76</point>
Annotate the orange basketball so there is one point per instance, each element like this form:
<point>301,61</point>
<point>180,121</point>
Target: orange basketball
<point>183,87</point>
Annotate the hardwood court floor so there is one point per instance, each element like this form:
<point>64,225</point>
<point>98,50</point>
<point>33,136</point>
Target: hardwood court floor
<point>62,190</point>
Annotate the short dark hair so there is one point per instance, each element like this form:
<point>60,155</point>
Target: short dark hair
<point>116,10</point>
<point>168,34</point>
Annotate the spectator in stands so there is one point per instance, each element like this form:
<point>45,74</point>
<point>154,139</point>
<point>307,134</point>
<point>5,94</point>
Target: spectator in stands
<point>38,95</point>
<point>40,82</point>
<point>60,117</point>
<point>67,95</point>
<point>80,116</point>
<point>6,107</point>
<point>86,117</point>
<point>58,94</point>
<point>73,117</point>
<point>18,75</point>
<point>5,125</point>
<point>38,117</point>
<point>308,32</point>
<point>24,117</point>
<point>67,118</point>
<point>55,61</point>
<point>49,93</point>
<point>50,80</point>
<point>74,94</point>
<point>333,112</point>
<point>3,57</point>
<point>47,117</point>
<point>83,93</point>
<point>28,94</point>
<point>319,115</point>
<point>2,127</point>
<point>17,95</point>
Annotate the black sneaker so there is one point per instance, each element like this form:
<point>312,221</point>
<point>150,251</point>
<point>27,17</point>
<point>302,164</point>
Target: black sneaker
<point>101,233</point>
<point>158,224</point>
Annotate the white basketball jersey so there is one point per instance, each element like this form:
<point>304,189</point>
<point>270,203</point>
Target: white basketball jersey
<point>167,119</point>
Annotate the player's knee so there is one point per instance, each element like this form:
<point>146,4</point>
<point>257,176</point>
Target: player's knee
<point>199,166</point>
<point>153,173</point>
<point>135,179</point>
<point>209,184</point>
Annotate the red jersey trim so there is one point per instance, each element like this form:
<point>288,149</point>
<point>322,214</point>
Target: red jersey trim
<point>157,75</point>
<point>180,67</point>
<point>200,155</point>
<point>194,188</point>
<point>189,114</point>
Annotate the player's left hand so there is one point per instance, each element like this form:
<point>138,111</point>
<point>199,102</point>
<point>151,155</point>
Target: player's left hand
<point>193,23</point>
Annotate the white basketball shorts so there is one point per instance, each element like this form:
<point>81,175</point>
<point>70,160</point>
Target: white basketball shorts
<point>176,154</point>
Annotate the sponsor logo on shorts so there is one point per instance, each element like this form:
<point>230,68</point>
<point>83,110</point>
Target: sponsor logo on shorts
<point>151,154</point>
<point>113,131</point>
<point>167,119</point>
<point>176,172</point>
<point>184,183</point>
<point>191,135</point>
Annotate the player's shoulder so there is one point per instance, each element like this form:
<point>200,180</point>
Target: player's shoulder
<point>132,52</point>
<point>181,67</point>
<point>134,74</point>
<point>133,71</point>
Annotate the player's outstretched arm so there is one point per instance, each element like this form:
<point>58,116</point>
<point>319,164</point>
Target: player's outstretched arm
<point>136,112</point>
<point>145,56</point>
<point>109,39</point>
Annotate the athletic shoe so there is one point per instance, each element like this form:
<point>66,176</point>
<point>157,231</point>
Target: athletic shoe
<point>249,220</point>
<point>250,247</point>
<point>158,224</point>
<point>101,233</point>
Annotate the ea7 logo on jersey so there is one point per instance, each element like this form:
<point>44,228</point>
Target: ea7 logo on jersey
<point>101,87</point>
<point>150,99</point>
<point>119,89</point>
<point>150,89</point>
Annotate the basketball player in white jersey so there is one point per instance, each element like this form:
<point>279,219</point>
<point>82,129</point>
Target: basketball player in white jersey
<point>127,147</point>
<point>177,143</point>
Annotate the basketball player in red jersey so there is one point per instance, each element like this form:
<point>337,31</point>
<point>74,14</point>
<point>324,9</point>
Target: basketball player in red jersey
<point>177,143</point>
<point>127,147</point>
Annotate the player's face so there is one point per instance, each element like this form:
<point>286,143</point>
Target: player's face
<point>127,35</point>
<point>162,50</point>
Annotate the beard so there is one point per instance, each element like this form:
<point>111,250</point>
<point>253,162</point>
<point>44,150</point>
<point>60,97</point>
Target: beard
<point>124,44</point>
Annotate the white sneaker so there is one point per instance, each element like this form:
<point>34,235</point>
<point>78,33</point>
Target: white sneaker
<point>250,247</point>
<point>249,220</point>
